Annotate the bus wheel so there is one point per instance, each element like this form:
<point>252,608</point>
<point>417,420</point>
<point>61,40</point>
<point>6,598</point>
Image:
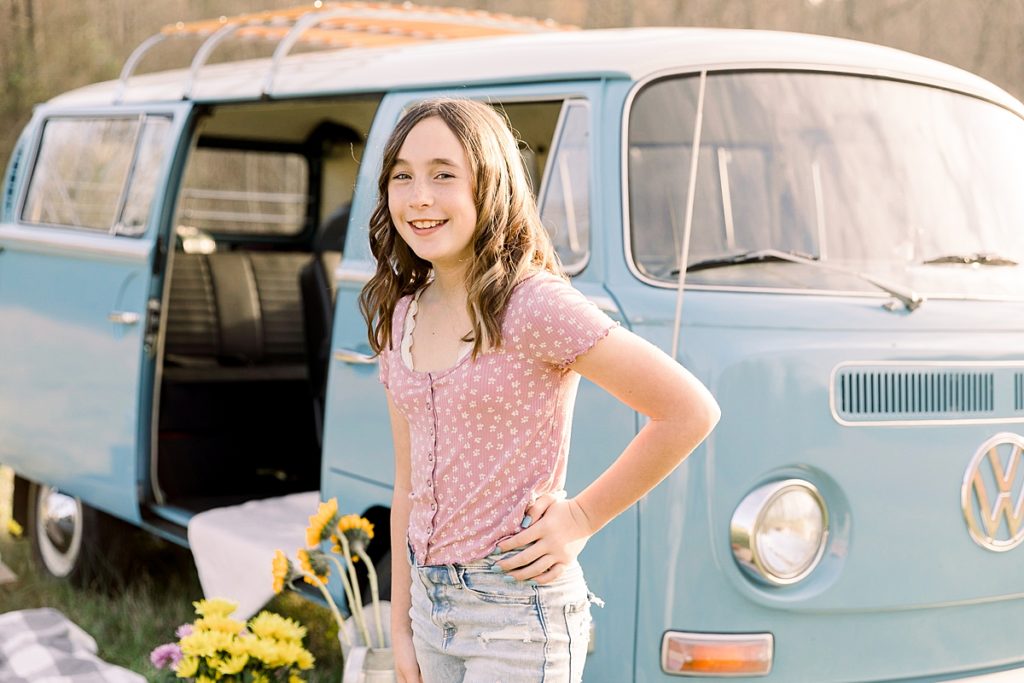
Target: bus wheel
<point>73,541</point>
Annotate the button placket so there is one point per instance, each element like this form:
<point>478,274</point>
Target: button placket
<point>431,406</point>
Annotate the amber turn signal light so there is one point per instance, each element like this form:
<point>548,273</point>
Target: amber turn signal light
<point>717,654</point>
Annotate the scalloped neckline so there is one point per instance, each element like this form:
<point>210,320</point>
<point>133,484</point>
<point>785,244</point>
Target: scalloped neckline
<point>408,325</point>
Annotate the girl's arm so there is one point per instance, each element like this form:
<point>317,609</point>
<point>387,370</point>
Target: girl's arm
<point>681,414</point>
<point>401,580</point>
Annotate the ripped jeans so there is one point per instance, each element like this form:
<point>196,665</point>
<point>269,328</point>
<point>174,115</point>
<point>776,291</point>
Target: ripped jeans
<point>472,624</point>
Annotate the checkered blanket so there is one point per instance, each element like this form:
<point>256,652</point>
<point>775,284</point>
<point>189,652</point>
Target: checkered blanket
<point>43,646</point>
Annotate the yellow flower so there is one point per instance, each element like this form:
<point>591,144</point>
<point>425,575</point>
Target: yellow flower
<point>356,528</point>
<point>282,569</point>
<point>293,654</point>
<point>206,679</point>
<point>216,622</point>
<point>239,646</point>
<point>231,665</point>
<point>270,625</point>
<point>205,643</point>
<point>319,522</point>
<point>304,659</point>
<point>14,529</point>
<point>186,667</point>
<point>259,678</point>
<point>267,651</point>
<point>215,607</point>
<point>314,566</point>
<point>295,678</point>
<point>358,531</point>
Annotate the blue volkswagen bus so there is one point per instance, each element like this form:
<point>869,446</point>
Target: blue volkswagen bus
<point>829,234</point>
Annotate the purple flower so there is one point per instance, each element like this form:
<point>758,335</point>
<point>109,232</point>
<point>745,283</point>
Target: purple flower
<point>165,655</point>
<point>184,630</point>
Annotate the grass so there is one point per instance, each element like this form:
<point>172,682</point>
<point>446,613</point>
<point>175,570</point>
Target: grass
<point>128,622</point>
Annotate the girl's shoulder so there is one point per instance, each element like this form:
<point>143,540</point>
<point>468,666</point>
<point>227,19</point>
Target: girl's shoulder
<point>539,287</point>
<point>541,296</point>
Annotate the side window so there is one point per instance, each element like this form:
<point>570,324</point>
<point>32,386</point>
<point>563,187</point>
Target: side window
<point>87,168</point>
<point>148,162</point>
<point>244,192</point>
<point>565,196</point>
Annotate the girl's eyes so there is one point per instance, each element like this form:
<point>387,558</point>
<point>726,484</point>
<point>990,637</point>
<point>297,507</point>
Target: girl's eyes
<point>443,175</point>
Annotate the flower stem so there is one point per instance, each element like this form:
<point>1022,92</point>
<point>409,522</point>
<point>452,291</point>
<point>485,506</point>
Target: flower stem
<point>371,571</point>
<point>354,606</point>
<point>334,607</point>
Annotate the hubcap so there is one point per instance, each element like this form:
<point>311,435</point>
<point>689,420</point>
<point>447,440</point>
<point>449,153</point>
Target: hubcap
<point>59,530</point>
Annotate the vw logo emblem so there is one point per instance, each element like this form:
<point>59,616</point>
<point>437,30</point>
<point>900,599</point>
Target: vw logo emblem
<point>992,494</point>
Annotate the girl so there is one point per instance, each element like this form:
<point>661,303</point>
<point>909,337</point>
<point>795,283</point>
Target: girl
<point>482,342</point>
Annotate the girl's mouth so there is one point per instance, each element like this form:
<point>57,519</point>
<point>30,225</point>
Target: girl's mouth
<point>427,226</point>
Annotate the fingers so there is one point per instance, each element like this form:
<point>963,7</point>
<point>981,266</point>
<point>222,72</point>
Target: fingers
<point>522,558</point>
<point>552,573</point>
<point>524,537</point>
<point>537,508</point>
<point>534,569</point>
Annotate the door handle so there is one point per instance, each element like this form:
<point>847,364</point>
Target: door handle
<point>123,317</point>
<point>354,357</point>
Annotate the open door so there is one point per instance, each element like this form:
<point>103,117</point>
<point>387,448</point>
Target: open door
<point>81,267</point>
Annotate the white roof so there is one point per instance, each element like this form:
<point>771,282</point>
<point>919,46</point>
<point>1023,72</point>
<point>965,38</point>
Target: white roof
<point>617,53</point>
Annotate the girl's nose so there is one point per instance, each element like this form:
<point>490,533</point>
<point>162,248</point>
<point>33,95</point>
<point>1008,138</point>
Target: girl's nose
<point>421,195</point>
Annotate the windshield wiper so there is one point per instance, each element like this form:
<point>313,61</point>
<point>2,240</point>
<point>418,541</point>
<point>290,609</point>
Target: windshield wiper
<point>909,298</point>
<point>758,256</point>
<point>982,258</point>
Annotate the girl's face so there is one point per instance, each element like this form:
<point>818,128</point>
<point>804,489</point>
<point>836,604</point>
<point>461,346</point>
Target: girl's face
<point>430,195</point>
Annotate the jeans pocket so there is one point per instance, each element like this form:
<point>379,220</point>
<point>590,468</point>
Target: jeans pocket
<point>577,625</point>
<point>494,587</point>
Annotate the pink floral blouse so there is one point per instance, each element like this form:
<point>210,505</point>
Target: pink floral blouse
<point>490,435</point>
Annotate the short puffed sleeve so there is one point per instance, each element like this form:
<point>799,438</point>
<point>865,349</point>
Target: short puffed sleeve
<point>552,321</point>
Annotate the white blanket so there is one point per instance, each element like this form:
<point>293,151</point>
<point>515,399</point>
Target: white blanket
<point>43,646</point>
<point>233,546</point>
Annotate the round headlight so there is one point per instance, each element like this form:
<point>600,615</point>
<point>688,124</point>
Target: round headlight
<point>778,532</point>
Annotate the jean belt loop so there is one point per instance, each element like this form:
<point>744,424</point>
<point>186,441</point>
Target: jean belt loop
<point>454,574</point>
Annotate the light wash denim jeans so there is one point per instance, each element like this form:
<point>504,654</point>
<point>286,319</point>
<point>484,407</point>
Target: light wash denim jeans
<point>472,623</point>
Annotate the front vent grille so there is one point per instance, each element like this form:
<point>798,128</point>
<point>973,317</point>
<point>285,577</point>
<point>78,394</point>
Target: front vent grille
<point>913,393</point>
<point>928,392</point>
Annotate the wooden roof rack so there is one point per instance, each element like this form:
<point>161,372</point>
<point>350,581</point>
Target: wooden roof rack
<point>336,25</point>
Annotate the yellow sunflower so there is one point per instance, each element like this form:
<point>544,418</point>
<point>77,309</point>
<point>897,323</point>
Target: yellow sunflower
<point>320,522</point>
<point>314,567</point>
<point>358,530</point>
<point>282,569</point>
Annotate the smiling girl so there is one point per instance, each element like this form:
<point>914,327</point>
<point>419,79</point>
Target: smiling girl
<point>482,342</point>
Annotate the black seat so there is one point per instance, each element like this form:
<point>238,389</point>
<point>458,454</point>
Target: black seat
<point>234,316</point>
<point>318,286</point>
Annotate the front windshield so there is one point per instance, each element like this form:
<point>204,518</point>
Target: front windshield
<point>875,175</point>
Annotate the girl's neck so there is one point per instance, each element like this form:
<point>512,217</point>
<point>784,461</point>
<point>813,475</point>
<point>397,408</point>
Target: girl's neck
<point>449,284</point>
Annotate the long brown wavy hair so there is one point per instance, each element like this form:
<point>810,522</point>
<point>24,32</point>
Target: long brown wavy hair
<point>509,242</point>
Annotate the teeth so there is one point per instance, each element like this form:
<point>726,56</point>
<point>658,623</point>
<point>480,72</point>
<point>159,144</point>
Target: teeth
<point>423,225</point>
